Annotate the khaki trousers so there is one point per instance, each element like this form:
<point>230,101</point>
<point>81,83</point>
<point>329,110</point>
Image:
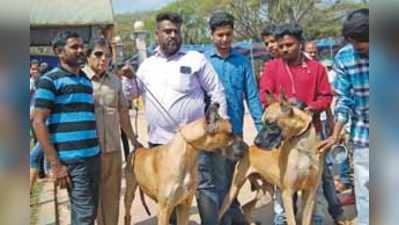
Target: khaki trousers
<point>110,188</point>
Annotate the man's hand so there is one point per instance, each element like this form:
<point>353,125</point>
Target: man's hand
<point>327,143</point>
<point>128,71</point>
<point>60,175</point>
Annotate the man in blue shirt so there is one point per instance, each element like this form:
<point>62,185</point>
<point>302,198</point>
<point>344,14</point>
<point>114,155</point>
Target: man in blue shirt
<point>235,72</point>
<point>353,92</point>
<point>65,124</point>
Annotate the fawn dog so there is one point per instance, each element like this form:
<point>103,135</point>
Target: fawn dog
<point>168,173</point>
<point>284,155</point>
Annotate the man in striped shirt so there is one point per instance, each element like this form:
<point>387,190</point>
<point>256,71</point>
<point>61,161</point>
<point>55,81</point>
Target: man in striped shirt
<point>352,87</point>
<point>65,124</point>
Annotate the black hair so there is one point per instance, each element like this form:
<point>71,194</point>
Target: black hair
<point>61,38</point>
<point>34,62</point>
<point>292,29</point>
<point>219,19</point>
<point>356,25</point>
<point>269,30</point>
<point>100,41</point>
<point>170,16</point>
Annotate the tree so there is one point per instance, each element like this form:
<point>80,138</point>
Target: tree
<point>319,18</point>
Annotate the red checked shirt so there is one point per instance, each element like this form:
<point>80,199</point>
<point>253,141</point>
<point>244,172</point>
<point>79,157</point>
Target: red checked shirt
<point>309,79</point>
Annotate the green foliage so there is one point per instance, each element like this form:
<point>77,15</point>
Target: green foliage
<point>319,18</point>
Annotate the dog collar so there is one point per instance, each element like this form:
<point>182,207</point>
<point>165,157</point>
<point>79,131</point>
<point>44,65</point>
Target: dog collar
<point>305,130</point>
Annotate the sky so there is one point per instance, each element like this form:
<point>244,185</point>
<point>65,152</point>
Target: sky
<point>123,6</point>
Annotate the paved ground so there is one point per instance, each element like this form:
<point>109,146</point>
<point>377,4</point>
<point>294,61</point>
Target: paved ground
<point>263,212</point>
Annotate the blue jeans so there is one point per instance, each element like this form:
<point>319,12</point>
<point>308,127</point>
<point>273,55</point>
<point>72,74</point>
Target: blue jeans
<point>83,195</point>
<point>361,168</point>
<point>214,179</point>
<point>342,170</point>
<point>334,205</point>
<point>36,157</point>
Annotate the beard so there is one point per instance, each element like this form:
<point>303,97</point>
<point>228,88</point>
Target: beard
<point>170,47</point>
<point>75,61</point>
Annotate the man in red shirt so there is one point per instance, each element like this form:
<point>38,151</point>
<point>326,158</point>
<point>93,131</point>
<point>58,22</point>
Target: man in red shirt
<point>299,77</point>
<point>303,80</point>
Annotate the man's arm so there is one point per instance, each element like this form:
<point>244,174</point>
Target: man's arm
<point>44,102</point>
<point>342,86</point>
<point>252,98</point>
<point>39,125</point>
<point>213,87</point>
<point>131,86</point>
<point>60,171</point>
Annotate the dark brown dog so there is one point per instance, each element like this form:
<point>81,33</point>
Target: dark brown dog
<point>286,156</point>
<point>168,173</point>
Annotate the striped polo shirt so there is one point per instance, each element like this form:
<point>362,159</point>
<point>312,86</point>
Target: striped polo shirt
<point>72,121</point>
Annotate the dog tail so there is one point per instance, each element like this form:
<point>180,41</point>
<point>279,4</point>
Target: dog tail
<point>142,197</point>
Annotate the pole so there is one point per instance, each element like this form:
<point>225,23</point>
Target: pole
<point>140,35</point>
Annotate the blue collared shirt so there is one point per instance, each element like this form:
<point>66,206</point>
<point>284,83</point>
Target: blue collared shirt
<point>235,73</point>
<point>352,87</point>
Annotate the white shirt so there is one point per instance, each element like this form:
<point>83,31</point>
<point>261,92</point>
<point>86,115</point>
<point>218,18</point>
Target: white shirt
<point>178,83</point>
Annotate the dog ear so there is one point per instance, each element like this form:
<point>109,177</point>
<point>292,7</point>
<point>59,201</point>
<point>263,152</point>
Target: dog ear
<point>270,97</point>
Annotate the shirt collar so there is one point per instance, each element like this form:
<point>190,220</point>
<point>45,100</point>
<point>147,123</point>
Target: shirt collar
<point>158,53</point>
<point>214,53</point>
<point>90,73</point>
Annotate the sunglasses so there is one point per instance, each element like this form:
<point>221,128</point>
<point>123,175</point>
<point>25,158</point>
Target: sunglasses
<point>99,54</point>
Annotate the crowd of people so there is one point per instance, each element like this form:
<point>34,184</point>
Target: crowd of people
<point>80,110</point>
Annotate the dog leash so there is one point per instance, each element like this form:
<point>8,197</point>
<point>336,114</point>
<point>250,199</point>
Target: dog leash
<point>163,110</point>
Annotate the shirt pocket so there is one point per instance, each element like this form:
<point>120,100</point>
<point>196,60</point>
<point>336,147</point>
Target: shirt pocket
<point>107,97</point>
<point>182,82</point>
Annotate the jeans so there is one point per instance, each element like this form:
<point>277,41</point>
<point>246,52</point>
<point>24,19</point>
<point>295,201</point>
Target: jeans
<point>83,195</point>
<point>36,157</point>
<point>334,205</point>
<point>344,172</point>
<point>214,178</point>
<point>362,179</point>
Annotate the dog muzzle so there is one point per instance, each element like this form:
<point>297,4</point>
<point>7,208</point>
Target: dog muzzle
<point>269,137</point>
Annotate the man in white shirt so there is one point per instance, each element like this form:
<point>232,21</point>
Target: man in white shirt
<point>174,82</point>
